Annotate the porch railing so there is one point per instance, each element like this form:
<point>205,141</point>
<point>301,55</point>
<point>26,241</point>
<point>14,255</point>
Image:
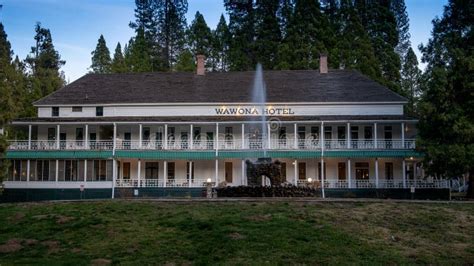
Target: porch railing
<point>230,144</point>
<point>179,182</point>
<point>393,183</point>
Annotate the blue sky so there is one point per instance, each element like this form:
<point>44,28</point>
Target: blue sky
<point>77,24</point>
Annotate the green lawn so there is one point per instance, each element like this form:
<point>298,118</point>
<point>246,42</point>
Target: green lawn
<point>132,232</point>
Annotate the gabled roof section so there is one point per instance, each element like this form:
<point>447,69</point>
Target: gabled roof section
<point>221,87</point>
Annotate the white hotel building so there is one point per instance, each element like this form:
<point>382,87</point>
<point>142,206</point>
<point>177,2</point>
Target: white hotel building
<point>145,131</point>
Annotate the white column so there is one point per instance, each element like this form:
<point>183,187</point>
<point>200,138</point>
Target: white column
<point>85,172</point>
<point>296,136</point>
<point>29,137</point>
<point>243,172</point>
<point>217,172</point>
<point>114,176</point>
<point>322,178</point>
<point>165,138</point>
<point>140,135</point>
<point>295,179</point>
<point>86,136</point>
<point>376,172</point>
<point>57,136</point>
<point>165,172</point>
<point>115,139</point>
<point>243,136</point>
<point>269,145</point>
<point>414,170</point>
<point>191,138</point>
<point>348,137</point>
<point>375,135</point>
<point>404,173</point>
<point>57,170</point>
<point>349,173</point>
<point>403,136</point>
<point>321,136</point>
<point>139,171</point>
<point>28,171</point>
<point>217,139</point>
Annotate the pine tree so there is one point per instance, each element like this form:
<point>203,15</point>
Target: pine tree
<point>44,64</point>
<point>101,62</point>
<point>446,127</point>
<point>285,11</point>
<point>138,54</point>
<point>147,19</point>
<point>200,36</point>
<point>220,46</point>
<point>308,33</point>
<point>171,29</point>
<point>411,76</point>
<point>186,62</point>
<point>118,62</point>
<point>267,33</point>
<point>242,29</point>
<point>399,10</point>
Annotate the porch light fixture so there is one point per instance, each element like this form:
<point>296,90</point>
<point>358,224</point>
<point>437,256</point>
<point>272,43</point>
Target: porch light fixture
<point>310,180</point>
<point>209,180</point>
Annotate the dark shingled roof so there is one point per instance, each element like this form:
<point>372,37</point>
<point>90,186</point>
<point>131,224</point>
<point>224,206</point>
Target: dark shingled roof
<point>225,87</point>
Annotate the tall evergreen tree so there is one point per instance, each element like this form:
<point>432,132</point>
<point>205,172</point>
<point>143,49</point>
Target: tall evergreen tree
<point>138,54</point>
<point>446,127</point>
<point>411,75</point>
<point>220,46</point>
<point>308,33</point>
<point>285,11</point>
<point>171,18</point>
<point>101,61</point>
<point>44,64</point>
<point>267,33</point>
<point>200,36</point>
<point>118,62</point>
<point>242,29</point>
<point>399,10</point>
<point>185,62</point>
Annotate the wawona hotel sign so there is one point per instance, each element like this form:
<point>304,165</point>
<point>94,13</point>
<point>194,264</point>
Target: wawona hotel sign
<point>254,111</point>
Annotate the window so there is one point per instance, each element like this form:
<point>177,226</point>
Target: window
<point>171,170</point>
<point>43,171</point>
<point>367,133</point>
<point>319,170</point>
<point>146,134</point>
<point>17,170</point>
<point>388,171</point>
<point>99,111</point>
<point>362,171</point>
<point>55,111</point>
<point>79,134</point>
<point>197,135</point>
<point>77,109</point>
<point>301,171</point>
<point>51,133</point>
<point>354,133</point>
<point>100,170</point>
<point>228,172</point>
<point>151,170</point>
<point>341,133</point>
<point>228,134</point>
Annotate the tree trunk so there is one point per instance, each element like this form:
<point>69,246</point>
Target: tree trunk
<point>470,183</point>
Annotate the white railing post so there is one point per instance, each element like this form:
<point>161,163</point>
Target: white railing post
<point>28,171</point>
<point>29,137</point>
<point>190,178</point>
<point>114,175</point>
<point>140,136</point>
<point>348,138</point>
<point>114,140</point>
<point>321,136</point>
<point>57,136</point>
<point>191,138</point>
<point>217,141</point>
<point>57,171</point>
<point>375,135</point>
<point>243,136</point>
<point>295,179</point>
<point>165,137</point>
<point>85,173</point>
<point>295,141</point>
<point>165,173</point>
<point>322,178</point>
<point>86,136</point>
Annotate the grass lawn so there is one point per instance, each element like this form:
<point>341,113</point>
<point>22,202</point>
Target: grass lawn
<point>140,232</point>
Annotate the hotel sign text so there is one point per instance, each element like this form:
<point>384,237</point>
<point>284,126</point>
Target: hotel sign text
<point>254,111</point>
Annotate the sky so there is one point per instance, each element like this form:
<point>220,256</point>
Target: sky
<point>77,24</point>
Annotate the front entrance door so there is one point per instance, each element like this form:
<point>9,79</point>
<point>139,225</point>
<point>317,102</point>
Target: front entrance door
<point>301,171</point>
<point>126,171</point>
<point>341,171</point>
<point>228,172</point>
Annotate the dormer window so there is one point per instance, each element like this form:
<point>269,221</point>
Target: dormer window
<point>77,109</point>
<point>55,111</point>
<point>99,111</point>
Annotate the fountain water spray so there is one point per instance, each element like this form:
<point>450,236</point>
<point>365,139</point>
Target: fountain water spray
<point>259,97</point>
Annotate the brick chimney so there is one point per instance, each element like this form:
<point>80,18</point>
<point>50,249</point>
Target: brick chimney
<point>323,64</point>
<point>201,69</point>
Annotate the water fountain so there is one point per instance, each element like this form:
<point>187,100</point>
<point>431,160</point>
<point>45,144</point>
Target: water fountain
<point>263,168</point>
